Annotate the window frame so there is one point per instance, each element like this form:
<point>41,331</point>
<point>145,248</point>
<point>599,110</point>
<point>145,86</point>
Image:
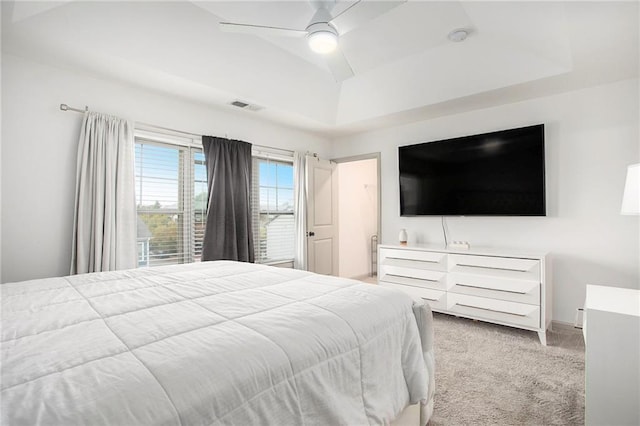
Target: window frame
<point>194,144</point>
<point>278,157</point>
<point>188,148</point>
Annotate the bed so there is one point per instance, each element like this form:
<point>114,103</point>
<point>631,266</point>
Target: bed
<point>216,343</point>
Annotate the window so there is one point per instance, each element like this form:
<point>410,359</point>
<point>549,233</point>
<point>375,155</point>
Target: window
<point>273,221</point>
<point>171,200</point>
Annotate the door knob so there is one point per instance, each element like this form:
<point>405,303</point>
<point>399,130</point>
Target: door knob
<point>311,234</point>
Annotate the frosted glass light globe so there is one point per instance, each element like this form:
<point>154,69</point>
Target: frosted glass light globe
<point>323,42</point>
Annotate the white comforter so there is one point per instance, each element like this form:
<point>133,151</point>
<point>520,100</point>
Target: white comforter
<point>209,343</point>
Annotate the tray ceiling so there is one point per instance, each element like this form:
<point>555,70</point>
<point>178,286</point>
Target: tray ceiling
<point>405,67</point>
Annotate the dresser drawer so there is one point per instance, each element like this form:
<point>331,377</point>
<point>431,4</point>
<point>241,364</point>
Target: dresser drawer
<point>414,259</point>
<point>512,289</point>
<point>413,277</point>
<point>513,313</point>
<point>505,267</point>
<point>436,299</point>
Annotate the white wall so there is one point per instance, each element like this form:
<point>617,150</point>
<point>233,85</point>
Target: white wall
<point>39,152</point>
<point>357,216</point>
<point>591,136</point>
<point>0,163</point>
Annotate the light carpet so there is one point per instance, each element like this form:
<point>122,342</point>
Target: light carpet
<point>493,375</point>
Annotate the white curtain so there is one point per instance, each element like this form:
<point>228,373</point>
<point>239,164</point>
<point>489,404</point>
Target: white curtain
<point>300,210</point>
<point>104,229</point>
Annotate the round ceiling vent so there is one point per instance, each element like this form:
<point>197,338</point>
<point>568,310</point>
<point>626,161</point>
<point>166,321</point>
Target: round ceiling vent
<point>458,35</point>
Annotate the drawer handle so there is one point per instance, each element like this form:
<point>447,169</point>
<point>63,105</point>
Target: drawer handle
<point>413,278</point>
<point>430,300</point>
<point>415,260</point>
<point>493,267</point>
<point>491,310</point>
<point>492,289</point>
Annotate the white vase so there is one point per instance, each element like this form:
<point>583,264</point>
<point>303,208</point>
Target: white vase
<point>403,236</point>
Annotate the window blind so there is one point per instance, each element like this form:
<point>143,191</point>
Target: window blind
<point>272,206</point>
<point>171,197</point>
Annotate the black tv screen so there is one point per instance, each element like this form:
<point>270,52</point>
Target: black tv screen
<point>492,174</point>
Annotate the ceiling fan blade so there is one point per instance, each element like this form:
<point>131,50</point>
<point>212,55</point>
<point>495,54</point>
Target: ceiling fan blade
<point>260,30</point>
<point>339,66</point>
<point>361,12</point>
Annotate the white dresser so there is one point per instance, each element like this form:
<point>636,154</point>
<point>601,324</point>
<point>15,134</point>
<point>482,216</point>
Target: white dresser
<point>499,286</point>
<point>612,358</point>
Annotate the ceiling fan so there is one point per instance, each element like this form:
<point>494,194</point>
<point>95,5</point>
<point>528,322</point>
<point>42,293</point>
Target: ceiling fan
<point>324,29</point>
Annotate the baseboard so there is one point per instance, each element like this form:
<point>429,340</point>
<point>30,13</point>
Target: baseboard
<point>564,327</point>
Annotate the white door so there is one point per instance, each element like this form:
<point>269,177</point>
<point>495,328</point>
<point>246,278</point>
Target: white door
<point>322,216</point>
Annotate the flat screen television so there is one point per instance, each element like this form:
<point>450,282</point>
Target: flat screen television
<point>491,174</point>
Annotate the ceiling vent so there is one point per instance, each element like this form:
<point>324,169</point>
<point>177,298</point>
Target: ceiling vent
<point>458,35</point>
<point>244,105</point>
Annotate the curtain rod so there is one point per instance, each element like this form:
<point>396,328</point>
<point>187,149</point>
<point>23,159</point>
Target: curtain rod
<point>65,107</point>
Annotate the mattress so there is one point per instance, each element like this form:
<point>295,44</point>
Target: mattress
<point>215,343</point>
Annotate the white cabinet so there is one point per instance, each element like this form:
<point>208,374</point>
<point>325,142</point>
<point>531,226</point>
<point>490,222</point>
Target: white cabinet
<point>612,357</point>
<point>499,286</point>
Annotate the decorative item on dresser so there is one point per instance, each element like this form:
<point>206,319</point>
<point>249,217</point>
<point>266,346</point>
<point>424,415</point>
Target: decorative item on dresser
<point>500,286</point>
<point>402,237</point>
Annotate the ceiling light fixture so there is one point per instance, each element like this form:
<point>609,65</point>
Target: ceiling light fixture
<point>458,35</point>
<point>323,42</point>
<point>322,37</point>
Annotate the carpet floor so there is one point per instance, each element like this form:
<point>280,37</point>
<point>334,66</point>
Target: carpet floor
<point>493,375</point>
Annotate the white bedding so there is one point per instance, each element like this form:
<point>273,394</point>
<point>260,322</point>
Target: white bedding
<point>210,343</point>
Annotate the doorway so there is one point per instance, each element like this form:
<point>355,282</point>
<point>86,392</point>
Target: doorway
<point>358,215</point>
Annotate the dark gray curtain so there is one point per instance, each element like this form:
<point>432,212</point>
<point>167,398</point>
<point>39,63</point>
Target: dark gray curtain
<point>228,234</point>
